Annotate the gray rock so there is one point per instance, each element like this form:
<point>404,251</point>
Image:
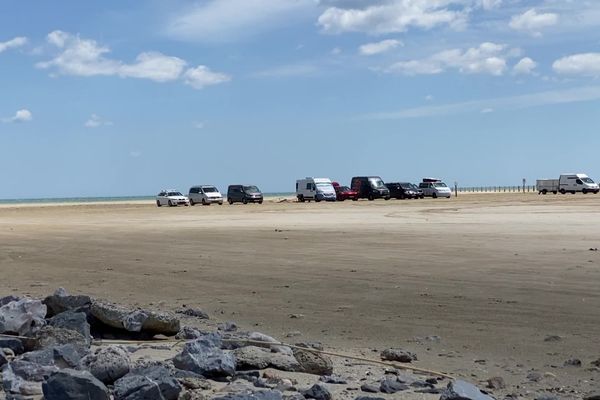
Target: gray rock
<point>74,321</point>
<point>333,379</point>
<point>3,359</point>
<point>546,397</point>
<point>23,317</point>
<point>252,357</point>
<point>369,398</point>
<point>392,385</point>
<point>252,395</point>
<point>193,312</point>
<point>49,336</point>
<point>596,363</point>
<point>135,320</point>
<point>294,396</point>
<point>313,363</point>
<point>228,326</point>
<point>8,299</point>
<point>573,362</point>
<point>592,396</point>
<point>68,384</point>
<point>189,333</point>
<point>399,355</point>
<point>12,343</point>
<point>317,392</point>
<point>25,377</point>
<point>496,382</point>
<point>64,356</point>
<point>61,301</point>
<point>107,363</point>
<point>461,390</point>
<point>552,338</point>
<point>146,384</point>
<point>370,388</point>
<point>205,357</point>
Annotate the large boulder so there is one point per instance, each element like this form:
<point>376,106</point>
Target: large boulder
<point>25,377</point>
<point>135,320</point>
<point>150,383</point>
<point>399,355</point>
<point>107,363</point>
<point>23,317</point>
<point>49,336</point>
<point>74,321</point>
<point>68,384</point>
<point>252,357</point>
<point>64,356</point>
<point>461,390</point>
<point>313,362</point>
<point>15,344</point>
<point>205,357</point>
<point>61,301</point>
<point>317,391</point>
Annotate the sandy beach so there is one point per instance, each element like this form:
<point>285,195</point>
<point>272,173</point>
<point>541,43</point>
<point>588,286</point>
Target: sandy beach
<point>472,284</point>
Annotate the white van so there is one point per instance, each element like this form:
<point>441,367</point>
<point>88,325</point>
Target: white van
<point>316,189</point>
<point>433,187</point>
<point>205,195</point>
<point>572,183</point>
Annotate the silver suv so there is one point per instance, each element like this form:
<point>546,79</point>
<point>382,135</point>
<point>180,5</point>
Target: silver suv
<point>205,195</point>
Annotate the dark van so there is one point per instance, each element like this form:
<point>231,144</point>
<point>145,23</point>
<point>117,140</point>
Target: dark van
<point>244,194</point>
<point>370,187</point>
<point>402,190</point>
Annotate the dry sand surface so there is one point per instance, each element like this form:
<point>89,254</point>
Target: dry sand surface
<point>492,274</point>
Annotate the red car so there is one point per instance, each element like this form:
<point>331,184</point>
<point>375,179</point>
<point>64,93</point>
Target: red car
<point>344,192</point>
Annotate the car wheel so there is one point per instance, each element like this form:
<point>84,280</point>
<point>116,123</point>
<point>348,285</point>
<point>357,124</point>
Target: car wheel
<point>260,202</point>
<point>170,203</point>
<point>203,202</point>
<point>544,191</point>
<point>371,198</point>
<point>563,191</point>
<point>301,198</point>
<point>317,199</point>
<point>158,203</point>
<point>230,201</point>
<point>584,191</point>
<point>245,200</point>
<point>434,195</point>
<point>572,192</point>
<point>355,199</point>
<point>192,202</point>
<point>387,198</point>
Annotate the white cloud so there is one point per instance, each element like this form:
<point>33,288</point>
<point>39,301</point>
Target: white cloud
<point>199,125</point>
<point>532,22</point>
<point>13,43</point>
<point>490,4</point>
<point>586,64</point>
<point>575,95</point>
<point>85,57</point>
<point>23,115</point>
<point>391,16</point>
<point>135,153</point>
<point>95,121</point>
<point>370,49</point>
<point>525,66</point>
<point>336,51</point>
<point>487,110</point>
<point>230,20</point>
<point>202,76</point>
<point>429,97</point>
<point>487,58</point>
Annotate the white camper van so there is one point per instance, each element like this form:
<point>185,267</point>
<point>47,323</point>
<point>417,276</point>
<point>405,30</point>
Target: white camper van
<point>316,189</point>
<point>568,183</point>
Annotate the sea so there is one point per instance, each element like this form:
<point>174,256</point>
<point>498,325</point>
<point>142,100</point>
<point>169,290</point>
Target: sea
<point>124,199</point>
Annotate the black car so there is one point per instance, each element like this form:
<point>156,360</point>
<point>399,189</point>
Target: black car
<point>370,187</point>
<point>402,190</point>
<point>418,190</point>
<point>244,194</point>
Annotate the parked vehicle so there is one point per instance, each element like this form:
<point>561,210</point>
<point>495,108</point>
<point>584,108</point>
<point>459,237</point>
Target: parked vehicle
<point>244,194</point>
<point>568,183</point>
<point>418,190</point>
<point>344,192</point>
<point>316,189</point>
<point>205,195</point>
<point>370,187</point>
<point>171,198</point>
<point>435,188</point>
<point>402,190</point>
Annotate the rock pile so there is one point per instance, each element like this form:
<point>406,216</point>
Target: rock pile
<point>53,348</point>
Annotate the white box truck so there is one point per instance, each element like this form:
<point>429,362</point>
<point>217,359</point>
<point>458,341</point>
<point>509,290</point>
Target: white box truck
<point>568,183</point>
<point>316,189</point>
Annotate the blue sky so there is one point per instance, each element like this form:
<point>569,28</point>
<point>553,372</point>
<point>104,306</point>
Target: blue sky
<point>128,97</point>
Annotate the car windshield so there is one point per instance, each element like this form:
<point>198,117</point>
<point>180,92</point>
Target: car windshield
<point>412,185</point>
<point>406,185</point>
<point>344,188</point>
<point>376,183</point>
<point>209,189</point>
<point>174,194</point>
<point>251,189</point>
<point>587,180</point>
<point>439,185</point>
<point>323,185</point>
